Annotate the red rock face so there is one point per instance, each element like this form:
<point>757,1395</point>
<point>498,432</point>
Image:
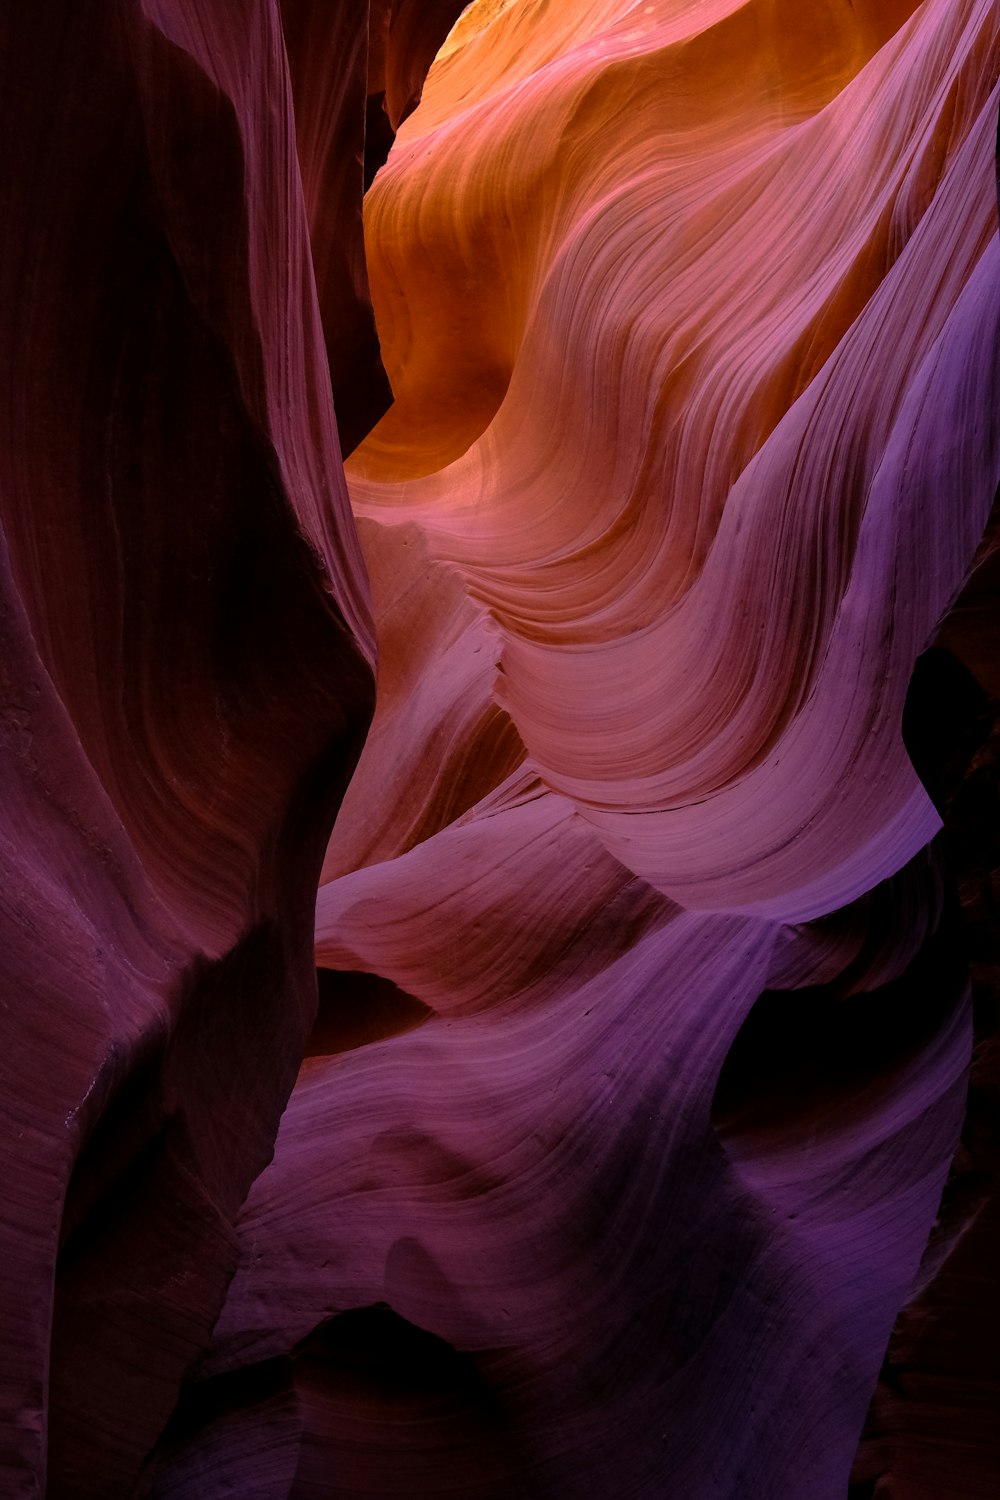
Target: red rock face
<point>187,669</point>
<point>614,1160</point>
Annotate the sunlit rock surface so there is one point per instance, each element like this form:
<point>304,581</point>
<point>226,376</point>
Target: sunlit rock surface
<point>615,1159</point>
<point>690,314</point>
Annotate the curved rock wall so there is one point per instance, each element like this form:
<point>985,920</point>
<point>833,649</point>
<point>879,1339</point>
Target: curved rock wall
<point>690,314</point>
<point>614,1160</point>
<point>187,667</point>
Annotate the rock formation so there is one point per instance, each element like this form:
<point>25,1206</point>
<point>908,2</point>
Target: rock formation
<point>639,1060</point>
<point>187,662</point>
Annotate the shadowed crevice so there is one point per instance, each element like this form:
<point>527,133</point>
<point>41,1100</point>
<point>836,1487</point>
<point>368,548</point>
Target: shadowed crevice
<point>394,1410</point>
<point>356,1009</point>
<point>807,1056</point>
<point>931,1425</point>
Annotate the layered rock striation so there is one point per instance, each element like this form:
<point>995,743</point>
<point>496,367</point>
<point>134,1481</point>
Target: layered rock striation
<point>690,315</point>
<point>188,678</point>
<point>622,1115</point>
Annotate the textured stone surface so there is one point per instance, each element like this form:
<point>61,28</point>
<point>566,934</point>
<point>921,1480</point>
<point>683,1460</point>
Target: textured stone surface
<point>690,316</point>
<point>187,681</point>
<point>615,1155</point>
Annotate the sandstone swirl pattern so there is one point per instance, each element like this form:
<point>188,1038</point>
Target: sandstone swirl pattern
<point>667,369</point>
<point>690,312</point>
<point>186,665</point>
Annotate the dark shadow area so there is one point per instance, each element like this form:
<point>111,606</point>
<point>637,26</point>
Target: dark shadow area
<point>390,1409</point>
<point>236,1434</point>
<point>205,1402</point>
<point>417,30</point>
<point>946,719</point>
<point>148,1245</point>
<point>373,1351</point>
<point>932,1429</point>
<point>379,136</point>
<point>803,1053</point>
<point>356,1009</point>
<point>367,1405</point>
<point>115,1148</point>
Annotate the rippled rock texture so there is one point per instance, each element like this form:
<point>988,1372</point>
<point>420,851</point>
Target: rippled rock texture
<point>187,664</point>
<point>639,1057</point>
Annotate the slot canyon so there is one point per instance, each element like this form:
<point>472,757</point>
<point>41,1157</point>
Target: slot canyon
<point>500,750</point>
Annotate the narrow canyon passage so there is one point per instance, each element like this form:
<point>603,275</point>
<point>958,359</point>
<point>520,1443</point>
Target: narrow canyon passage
<point>525,470</point>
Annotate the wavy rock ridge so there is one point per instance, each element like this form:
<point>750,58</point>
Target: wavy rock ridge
<point>690,317</point>
<point>187,666</point>
<point>642,1046</point>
